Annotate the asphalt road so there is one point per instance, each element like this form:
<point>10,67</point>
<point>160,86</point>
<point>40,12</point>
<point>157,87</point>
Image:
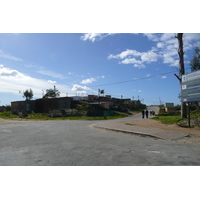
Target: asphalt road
<point>75,143</point>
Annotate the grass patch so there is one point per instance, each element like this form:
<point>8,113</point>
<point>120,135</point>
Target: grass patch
<point>43,116</point>
<point>39,116</point>
<point>7,115</point>
<point>195,114</point>
<point>176,119</point>
<point>168,119</point>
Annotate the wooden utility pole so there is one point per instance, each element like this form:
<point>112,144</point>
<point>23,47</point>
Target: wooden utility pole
<point>179,36</point>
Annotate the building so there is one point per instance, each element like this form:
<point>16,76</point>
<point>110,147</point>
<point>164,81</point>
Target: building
<point>169,107</point>
<point>22,106</point>
<point>44,105</point>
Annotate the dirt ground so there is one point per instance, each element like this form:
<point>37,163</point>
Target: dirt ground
<point>194,133</point>
<point>5,122</point>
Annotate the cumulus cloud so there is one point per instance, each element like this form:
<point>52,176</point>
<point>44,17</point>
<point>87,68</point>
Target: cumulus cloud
<point>89,80</point>
<point>13,81</point>
<point>149,56</point>
<point>8,72</point>
<point>131,61</point>
<point>125,54</point>
<point>152,36</point>
<point>129,57</point>
<point>8,56</point>
<point>94,36</point>
<point>160,44</point>
<point>77,87</point>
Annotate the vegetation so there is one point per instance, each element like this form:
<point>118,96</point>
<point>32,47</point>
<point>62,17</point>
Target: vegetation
<point>5,108</point>
<point>7,115</point>
<point>46,116</point>
<point>52,93</point>
<point>175,118</point>
<point>28,94</point>
<point>195,62</point>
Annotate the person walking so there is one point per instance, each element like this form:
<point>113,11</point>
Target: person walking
<point>143,114</point>
<point>147,114</point>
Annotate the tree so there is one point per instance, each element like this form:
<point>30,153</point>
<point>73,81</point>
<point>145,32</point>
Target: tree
<point>195,62</point>
<point>179,36</point>
<point>28,94</point>
<point>52,93</point>
<point>195,65</point>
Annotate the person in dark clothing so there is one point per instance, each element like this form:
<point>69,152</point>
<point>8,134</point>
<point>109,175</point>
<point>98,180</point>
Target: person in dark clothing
<point>143,114</point>
<point>147,113</point>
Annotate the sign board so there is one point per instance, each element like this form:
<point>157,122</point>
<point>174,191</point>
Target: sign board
<point>169,105</point>
<point>190,88</point>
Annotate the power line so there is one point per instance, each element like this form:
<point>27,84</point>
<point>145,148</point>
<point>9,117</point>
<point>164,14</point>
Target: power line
<point>147,77</point>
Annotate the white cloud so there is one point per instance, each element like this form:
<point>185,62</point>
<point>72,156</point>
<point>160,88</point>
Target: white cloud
<point>140,66</point>
<point>164,76</point>
<point>13,81</point>
<point>124,54</point>
<point>152,36</point>
<point>77,87</point>
<point>167,36</point>
<point>128,57</point>
<point>89,80</point>
<point>131,61</point>
<point>8,72</point>
<point>49,81</point>
<point>94,36</point>
<point>8,56</point>
<point>160,44</point>
<point>50,73</point>
<point>169,59</point>
<point>149,56</point>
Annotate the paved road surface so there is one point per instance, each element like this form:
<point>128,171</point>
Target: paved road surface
<point>70,143</point>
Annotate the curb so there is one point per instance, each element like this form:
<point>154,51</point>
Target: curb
<point>129,132</point>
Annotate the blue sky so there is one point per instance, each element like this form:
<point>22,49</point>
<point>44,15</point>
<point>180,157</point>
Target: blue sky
<point>129,64</point>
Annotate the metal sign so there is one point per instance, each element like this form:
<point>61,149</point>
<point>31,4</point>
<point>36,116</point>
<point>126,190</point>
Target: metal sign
<point>190,88</point>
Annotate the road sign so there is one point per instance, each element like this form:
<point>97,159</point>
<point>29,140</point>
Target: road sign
<point>190,88</point>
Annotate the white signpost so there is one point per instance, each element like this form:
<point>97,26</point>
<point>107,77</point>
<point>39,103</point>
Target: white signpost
<point>190,89</point>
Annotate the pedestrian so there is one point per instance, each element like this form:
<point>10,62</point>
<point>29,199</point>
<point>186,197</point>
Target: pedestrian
<point>147,113</point>
<point>143,114</point>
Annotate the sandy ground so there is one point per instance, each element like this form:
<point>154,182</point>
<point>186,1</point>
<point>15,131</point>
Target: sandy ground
<point>194,133</point>
<point>5,121</point>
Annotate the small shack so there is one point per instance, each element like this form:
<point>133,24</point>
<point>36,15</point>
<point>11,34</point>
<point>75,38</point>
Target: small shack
<point>43,105</point>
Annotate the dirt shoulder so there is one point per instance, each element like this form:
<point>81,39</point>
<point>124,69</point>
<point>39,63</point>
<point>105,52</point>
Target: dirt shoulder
<point>194,133</point>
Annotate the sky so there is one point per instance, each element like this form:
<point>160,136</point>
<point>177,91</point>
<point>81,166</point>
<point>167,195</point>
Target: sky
<point>124,65</point>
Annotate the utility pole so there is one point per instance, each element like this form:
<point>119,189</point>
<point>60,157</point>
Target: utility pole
<point>179,36</point>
